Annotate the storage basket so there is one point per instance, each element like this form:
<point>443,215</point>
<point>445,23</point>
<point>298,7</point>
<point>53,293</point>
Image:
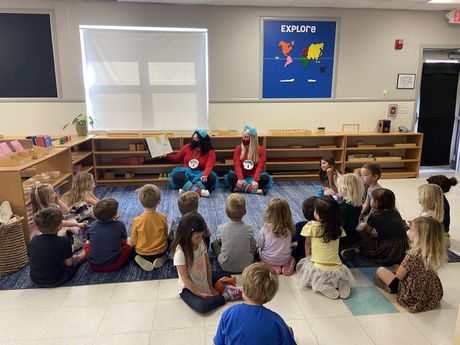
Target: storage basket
<point>13,251</point>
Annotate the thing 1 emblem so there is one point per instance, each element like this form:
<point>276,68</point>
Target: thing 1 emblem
<point>248,164</point>
<point>193,163</point>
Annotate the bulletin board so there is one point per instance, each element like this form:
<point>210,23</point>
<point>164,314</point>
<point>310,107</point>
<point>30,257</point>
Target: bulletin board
<point>27,57</point>
<point>298,58</point>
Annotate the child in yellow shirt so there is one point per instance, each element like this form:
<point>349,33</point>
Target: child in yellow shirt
<point>149,231</point>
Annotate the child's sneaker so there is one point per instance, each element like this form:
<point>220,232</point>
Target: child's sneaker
<point>77,243</point>
<point>232,293</point>
<point>380,283</point>
<point>288,269</point>
<point>344,289</point>
<point>144,264</point>
<point>330,293</point>
<point>204,193</point>
<point>159,262</point>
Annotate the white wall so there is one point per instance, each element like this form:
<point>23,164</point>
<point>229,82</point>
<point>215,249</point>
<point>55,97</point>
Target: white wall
<point>367,64</point>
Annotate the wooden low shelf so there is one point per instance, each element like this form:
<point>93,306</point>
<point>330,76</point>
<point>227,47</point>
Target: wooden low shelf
<point>309,146</point>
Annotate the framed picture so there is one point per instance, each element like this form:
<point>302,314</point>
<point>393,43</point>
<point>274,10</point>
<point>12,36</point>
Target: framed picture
<point>405,81</point>
<point>350,128</point>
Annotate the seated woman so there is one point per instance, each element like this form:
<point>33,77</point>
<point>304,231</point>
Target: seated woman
<point>198,159</point>
<point>249,162</point>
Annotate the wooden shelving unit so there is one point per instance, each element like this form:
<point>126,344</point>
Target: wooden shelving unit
<point>407,146</point>
<point>81,150</point>
<point>109,151</point>
<point>288,156</point>
<point>11,188</point>
<point>298,156</point>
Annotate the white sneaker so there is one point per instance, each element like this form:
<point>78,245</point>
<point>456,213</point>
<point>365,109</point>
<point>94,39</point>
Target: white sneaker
<point>205,193</point>
<point>181,191</point>
<point>159,262</point>
<point>144,264</point>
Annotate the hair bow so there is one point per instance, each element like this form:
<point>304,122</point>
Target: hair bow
<point>201,132</point>
<point>252,130</point>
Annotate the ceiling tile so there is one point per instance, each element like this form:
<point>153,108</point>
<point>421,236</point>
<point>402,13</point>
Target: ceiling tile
<point>435,7</point>
<point>313,3</point>
<point>355,3</point>
<point>229,2</point>
<point>395,4</point>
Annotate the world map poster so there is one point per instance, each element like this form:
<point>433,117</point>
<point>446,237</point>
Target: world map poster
<point>298,58</point>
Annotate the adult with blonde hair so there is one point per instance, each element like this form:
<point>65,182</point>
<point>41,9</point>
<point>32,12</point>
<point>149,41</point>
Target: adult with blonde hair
<point>415,281</point>
<point>249,159</point>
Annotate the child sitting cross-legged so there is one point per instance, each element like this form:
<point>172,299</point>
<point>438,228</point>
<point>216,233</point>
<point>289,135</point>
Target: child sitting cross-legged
<point>149,231</point>
<point>50,256</point>
<point>196,281</point>
<point>250,322</point>
<point>235,244</point>
<point>187,202</point>
<point>107,248</point>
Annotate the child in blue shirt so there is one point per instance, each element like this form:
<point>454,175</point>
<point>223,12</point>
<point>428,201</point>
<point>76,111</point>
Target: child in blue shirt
<point>251,322</point>
<point>108,247</point>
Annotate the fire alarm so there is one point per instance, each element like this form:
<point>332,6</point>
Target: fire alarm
<point>399,44</point>
<point>392,110</point>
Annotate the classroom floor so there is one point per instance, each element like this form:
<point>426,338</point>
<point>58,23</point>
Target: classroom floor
<point>150,312</point>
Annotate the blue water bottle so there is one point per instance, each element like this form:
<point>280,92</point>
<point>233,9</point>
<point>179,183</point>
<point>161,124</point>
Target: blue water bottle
<point>320,192</point>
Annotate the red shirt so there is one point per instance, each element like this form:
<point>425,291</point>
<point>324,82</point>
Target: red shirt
<point>242,173</point>
<point>186,154</point>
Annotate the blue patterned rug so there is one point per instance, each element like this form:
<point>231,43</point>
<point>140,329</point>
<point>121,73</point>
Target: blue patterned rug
<point>213,211</point>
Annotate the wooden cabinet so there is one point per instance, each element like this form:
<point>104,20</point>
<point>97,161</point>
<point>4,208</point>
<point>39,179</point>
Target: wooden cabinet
<point>81,150</point>
<point>115,163</point>
<point>298,156</point>
<point>397,153</point>
<point>11,179</point>
<point>288,156</point>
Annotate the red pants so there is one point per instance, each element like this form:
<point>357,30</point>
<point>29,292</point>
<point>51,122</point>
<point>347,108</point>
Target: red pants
<point>125,252</point>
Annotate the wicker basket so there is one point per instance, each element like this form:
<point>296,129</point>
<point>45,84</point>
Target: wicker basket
<point>13,251</point>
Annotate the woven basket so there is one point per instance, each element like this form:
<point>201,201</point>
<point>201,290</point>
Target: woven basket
<point>13,251</point>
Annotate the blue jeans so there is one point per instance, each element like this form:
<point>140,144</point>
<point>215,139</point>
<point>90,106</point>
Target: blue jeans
<point>200,304</point>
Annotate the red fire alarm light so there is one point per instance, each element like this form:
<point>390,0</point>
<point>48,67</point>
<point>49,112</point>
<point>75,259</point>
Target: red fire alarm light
<point>399,44</point>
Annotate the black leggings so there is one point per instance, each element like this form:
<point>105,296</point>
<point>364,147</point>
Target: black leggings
<point>233,179</point>
<point>180,179</point>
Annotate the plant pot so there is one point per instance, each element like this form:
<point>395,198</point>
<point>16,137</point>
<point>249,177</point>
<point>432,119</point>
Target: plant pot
<point>82,130</point>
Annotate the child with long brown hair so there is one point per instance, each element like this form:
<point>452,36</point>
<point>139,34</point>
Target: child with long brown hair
<point>196,281</point>
<point>382,237</point>
<point>82,190</point>
<point>322,269</point>
<point>328,175</point>
<point>275,237</point>
<point>416,281</point>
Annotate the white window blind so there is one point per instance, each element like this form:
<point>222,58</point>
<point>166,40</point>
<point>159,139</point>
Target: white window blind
<point>139,78</point>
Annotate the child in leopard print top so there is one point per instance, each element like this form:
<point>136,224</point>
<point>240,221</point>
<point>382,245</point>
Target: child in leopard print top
<point>416,281</point>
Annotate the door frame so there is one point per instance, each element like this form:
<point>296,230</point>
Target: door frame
<point>454,157</point>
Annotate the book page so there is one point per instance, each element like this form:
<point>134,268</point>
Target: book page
<point>158,145</point>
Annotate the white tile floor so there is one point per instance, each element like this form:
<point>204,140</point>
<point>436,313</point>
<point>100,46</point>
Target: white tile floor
<point>143,313</point>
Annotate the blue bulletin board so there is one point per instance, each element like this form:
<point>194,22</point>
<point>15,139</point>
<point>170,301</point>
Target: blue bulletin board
<point>298,58</point>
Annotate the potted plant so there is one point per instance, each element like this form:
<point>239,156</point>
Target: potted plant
<point>81,124</point>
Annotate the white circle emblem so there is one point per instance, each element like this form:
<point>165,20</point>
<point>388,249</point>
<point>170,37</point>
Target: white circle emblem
<point>248,164</point>
<point>193,163</point>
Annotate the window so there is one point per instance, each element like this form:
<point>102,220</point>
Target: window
<point>139,78</point>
